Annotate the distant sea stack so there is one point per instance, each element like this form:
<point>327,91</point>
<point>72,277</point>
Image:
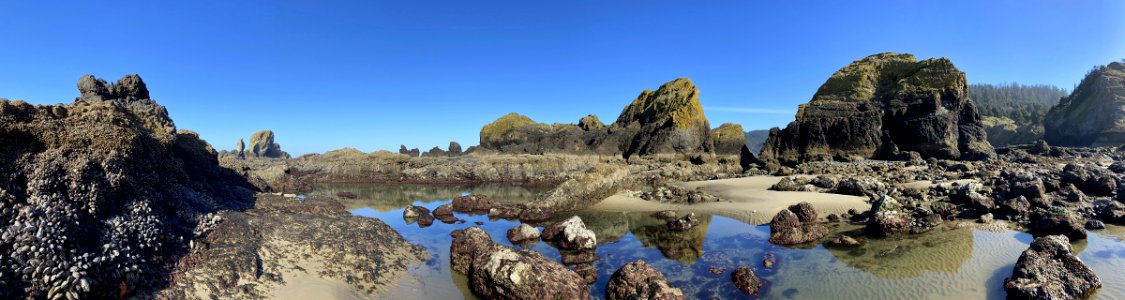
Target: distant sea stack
<point>728,138</point>
<point>98,196</point>
<point>669,120</point>
<point>1094,114</point>
<point>262,146</point>
<point>879,106</point>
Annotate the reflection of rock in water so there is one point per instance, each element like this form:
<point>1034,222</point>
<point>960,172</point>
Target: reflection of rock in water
<point>943,249</point>
<point>608,227</point>
<point>387,197</point>
<point>685,246</point>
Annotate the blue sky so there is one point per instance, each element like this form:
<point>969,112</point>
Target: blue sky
<point>376,74</point>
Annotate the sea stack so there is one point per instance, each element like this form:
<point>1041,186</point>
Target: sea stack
<point>1094,114</point>
<point>880,106</point>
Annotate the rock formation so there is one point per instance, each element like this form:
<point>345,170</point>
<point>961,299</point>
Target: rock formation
<point>241,149</point>
<point>94,193</point>
<point>1093,114</point>
<point>262,146</point>
<point>1049,269</point>
<point>728,138</point>
<point>796,225</point>
<point>639,280</point>
<point>669,120</point>
<point>880,105</point>
<point>411,152</point>
<point>499,272</point>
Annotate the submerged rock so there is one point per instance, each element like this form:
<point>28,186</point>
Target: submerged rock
<point>473,203</point>
<point>570,234</point>
<point>499,272</point>
<point>639,280</point>
<point>1049,269</point>
<point>885,103</point>
<point>745,280</point>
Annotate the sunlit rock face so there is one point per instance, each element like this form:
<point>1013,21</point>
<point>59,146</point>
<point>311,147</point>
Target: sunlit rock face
<point>879,106</point>
<point>1094,114</point>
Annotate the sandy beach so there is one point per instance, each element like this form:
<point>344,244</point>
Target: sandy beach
<point>747,199</point>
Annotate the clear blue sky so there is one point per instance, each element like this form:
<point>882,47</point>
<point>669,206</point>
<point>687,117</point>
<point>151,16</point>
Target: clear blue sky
<point>376,74</point>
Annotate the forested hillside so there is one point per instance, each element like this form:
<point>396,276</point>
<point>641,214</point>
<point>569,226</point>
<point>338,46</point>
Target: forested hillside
<point>1013,113</point>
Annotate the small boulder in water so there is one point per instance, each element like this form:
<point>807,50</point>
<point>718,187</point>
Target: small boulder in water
<point>1048,269</point>
<point>523,233</point>
<point>570,234</point>
<point>745,280</point>
<point>639,280</point>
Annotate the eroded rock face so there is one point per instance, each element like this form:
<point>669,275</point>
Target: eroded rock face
<point>262,145</point>
<point>880,105</point>
<point>1093,114</point>
<point>639,280</point>
<point>570,234</point>
<point>728,139</point>
<point>1048,269</point>
<point>499,272</point>
<point>669,120</point>
<point>101,188</point>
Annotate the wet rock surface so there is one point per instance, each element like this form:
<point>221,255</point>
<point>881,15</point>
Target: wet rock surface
<point>93,192</point>
<point>796,225</point>
<point>570,234</point>
<point>500,272</point>
<point>1049,269</point>
<point>523,233</point>
<point>639,280</point>
<point>745,280</point>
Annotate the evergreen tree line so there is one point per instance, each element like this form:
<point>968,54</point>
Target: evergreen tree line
<point>1024,104</point>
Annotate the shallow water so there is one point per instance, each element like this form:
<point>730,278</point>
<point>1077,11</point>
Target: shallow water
<point>948,262</point>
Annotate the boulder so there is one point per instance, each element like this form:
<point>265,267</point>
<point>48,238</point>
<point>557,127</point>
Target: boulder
<point>523,233</point>
<point>1049,269</point>
<point>455,149</point>
<point>443,211</point>
<point>1056,221</point>
<point>500,272</point>
<point>843,241</point>
<point>1094,113</point>
<point>570,234</point>
<point>473,203</point>
<point>745,280</point>
<point>887,219</point>
<point>884,102</point>
<point>786,228</point>
<point>639,280</point>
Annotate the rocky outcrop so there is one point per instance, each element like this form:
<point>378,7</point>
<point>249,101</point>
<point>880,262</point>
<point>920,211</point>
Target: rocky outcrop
<point>1094,114</point>
<point>262,146</point>
<point>796,225</point>
<point>570,234</point>
<point>1049,269</point>
<point>728,138</point>
<point>92,193</point>
<point>639,280</point>
<point>880,105</point>
<point>409,152</point>
<point>499,272</point>
<point>669,120</point>
<point>1057,221</point>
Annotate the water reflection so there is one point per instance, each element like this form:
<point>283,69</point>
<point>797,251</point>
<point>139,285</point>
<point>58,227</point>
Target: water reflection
<point>389,196</point>
<point>949,262</point>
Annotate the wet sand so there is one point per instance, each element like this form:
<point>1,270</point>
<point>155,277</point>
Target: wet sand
<point>746,199</point>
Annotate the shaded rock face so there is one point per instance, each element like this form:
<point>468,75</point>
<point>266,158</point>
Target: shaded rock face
<point>113,162</point>
<point>669,120</point>
<point>262,145</point>
<point>1094,114</point>
<point>1049,269</point>
<point>1056,221</point>
<point>880,105</point>
<point>796,225</point>
<point>499,272</point>
<point>728,138</point>
<point>409,152</point>
<point>639,280</point>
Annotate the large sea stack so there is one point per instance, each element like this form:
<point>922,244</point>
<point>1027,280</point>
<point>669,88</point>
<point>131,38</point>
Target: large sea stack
<point>97,196</point>
<point>880,105</point>
<point>262,145</point>
<point>1094,114</point>
<point>669,120</point>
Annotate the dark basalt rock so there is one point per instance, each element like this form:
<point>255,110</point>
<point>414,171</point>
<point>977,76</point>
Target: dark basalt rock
<point>745,280</point>
<point>787,227</point>
<point>499,272</point>
<point>473,203</point>
<point>887,219</point>
<point>409,152</point>
<point>101,189</point>
<point>1056,221</point>
<point>1048,269</point>
<point>1092,114</point>
<point>639,280</point>
<point>885,103</point>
